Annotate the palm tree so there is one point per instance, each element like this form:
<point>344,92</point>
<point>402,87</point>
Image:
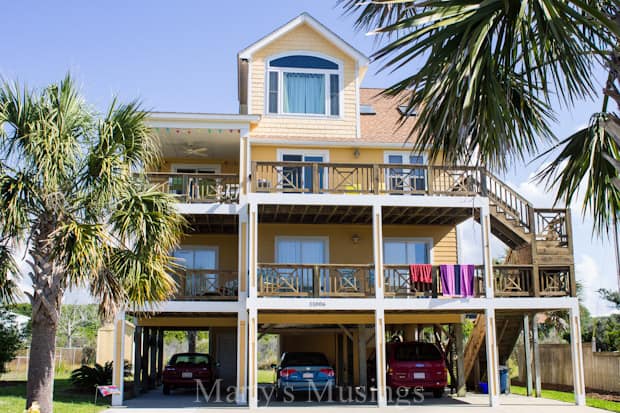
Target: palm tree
<point>74,194</point>
<point>501,63</point>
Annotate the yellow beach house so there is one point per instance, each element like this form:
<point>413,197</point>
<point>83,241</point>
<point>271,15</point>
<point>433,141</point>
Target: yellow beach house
<point>308,216</point>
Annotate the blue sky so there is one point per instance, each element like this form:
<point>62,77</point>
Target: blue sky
<point>181,56</point>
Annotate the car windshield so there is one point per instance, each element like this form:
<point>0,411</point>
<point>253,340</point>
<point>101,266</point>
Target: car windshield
<point>416,352</point>
<point>190,359</point>
<point>304,359</point>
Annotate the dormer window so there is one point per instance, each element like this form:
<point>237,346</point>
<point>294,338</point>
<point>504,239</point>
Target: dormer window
<point>303,85</point>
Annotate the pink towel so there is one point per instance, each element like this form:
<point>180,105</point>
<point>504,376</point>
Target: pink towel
<point>467,280</point>
<point>421,273</point>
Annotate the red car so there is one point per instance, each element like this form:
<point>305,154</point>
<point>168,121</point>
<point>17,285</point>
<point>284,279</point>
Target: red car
<point>184,369</point>
<point>414,364</point>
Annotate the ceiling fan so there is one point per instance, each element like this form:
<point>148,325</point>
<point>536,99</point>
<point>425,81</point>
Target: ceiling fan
<point>193,150</point>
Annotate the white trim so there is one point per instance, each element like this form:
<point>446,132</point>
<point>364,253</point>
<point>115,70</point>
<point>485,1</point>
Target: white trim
<point>205,208</point>
<point>303,152</point>
<point>258,141</point>
<point>249,86</point>
<point>405,155</point>
<point>195,124</point>
<point>327,82</point>
<point>202,117</point>
<point>323,238</point>
<point>427,240</point>
<point>316,25</point>
<point>217,167</point>
<point>358,127</point>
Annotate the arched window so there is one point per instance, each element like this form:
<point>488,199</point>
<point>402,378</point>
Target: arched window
<point>304,85</point>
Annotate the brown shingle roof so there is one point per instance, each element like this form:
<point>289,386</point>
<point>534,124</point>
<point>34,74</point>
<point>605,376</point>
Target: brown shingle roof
<point>385,125</point>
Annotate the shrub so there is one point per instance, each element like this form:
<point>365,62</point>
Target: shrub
<point>11,339</point>
<point>87,377</point>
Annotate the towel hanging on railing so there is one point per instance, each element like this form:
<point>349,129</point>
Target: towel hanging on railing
<point>446,272</point>
<point>421,273</point>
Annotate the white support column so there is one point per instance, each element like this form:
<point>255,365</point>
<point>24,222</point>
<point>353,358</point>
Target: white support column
<point>252,249</point>
<point>577,356</point>
<point>461,390</point>
<point>244,171</point>
<point>527,355</point>
<point>252,358</point>
<point>492,358</point>
<point>485,224</point>
<point>380,356</point>
<point>537,372</point>
<point>119,358</point>
<point>243,263</point>
<point>377,236</point>
<point>242,358</point>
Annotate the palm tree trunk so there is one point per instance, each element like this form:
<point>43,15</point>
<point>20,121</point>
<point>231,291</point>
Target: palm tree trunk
<point>46,301</point>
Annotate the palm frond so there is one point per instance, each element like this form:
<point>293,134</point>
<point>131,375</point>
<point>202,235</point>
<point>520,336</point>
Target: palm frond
<point>487,68</point>
<point>585,160</point>
<point>9,275</point>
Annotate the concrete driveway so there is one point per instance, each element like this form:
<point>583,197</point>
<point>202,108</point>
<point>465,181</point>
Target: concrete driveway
<point>185,402</point>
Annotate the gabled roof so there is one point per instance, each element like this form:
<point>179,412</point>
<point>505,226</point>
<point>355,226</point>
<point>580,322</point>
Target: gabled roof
<point>316,25</point>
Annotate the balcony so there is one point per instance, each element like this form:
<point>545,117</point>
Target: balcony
<point>349,281</point>
<point>207,285</point>
<point>198,188</point>
<point>342,178</point>
<point>531,281</point>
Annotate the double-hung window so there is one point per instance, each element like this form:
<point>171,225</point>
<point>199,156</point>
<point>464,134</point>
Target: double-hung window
<point>303,85</point>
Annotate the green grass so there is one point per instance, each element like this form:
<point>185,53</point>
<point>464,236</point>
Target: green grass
<point>66,400</point>
<point>266,376</point>
<point>570,398</point>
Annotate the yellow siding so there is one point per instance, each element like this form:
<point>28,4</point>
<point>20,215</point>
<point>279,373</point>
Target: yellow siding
<point>303,38</point>
<point>227,166</point>
<point>324,343</point>
<point>336,155</point>
<point>343,251</point>
<point>227,247</point>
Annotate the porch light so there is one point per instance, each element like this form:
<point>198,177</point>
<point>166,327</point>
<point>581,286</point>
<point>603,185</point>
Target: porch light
<point>355,238</point>
<point>356,153</point>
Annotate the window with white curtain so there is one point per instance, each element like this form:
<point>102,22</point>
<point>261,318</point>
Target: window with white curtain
<point>303,85</point>
<point>306,250</point>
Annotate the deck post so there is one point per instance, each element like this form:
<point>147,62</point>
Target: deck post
<point>153,361</point>
<point>144,378</point>
<point>118,365</point>
<point>377,231</point>
<point>253,249</point>
<point>362,336</point>
<point>485,223</point>
<point>492,357</point>
<point>137,364</point>
<point>160,355</point>
<point>537,372</point>
<point>577,356</point>
<point>241,396</point>
<point>460,355</point>
<point>528,354</point>
<point>380,357</point>
<point>252,358</point>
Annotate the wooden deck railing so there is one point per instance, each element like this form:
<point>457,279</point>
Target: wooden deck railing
<point>532,281</point>
<point>198,188</point>
<point>398,283</point>
<point>345,178</point>
<point>320,280</point>
<point>207,285</point>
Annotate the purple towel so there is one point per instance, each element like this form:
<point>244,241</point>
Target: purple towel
<point>467,280</point>
<point>447,279</point>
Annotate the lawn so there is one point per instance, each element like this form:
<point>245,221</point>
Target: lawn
<point>570,398</point>
<point>66,399</point>
<point>266,376</point>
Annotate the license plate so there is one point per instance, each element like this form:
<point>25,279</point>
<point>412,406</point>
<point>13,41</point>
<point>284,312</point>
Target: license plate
<point>186,375</point>
<point>417,375</point>
<point>308,375</point>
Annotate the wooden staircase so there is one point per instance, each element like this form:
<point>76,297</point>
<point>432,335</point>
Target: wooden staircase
<point>539,264</point>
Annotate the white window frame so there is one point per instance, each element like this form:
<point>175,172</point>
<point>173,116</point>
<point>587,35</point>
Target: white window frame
<point>427,240</point>
<point>405,155</point>
<point>195,247</point>
<point>323,238</point>
<point>326,72</point>
<point>305,152</point>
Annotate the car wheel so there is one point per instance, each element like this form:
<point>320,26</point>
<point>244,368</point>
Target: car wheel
<point>166,389</point>
<point>437,393</point>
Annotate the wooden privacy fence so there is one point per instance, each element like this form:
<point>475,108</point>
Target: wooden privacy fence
<point>65,359</point>
<point>601,370</point>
